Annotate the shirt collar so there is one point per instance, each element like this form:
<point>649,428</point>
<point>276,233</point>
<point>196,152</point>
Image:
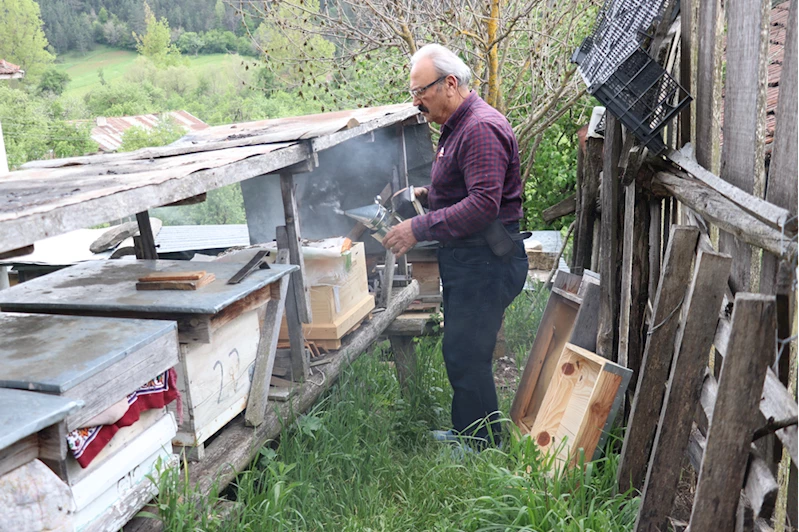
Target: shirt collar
<point>456,118</point>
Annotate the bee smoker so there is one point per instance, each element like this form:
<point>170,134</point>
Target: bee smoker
<point>380,220</point>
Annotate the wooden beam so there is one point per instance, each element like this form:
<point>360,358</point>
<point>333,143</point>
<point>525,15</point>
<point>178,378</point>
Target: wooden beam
<point>727,215</point>
<point>686,30</point>
<point>655,253</point>
<point>267,346</point>
<point>626,273</point>
<point>404,350</point>
<point>606,342</point>
<point>645,411</point>
<point>562,208</point>
<point>300,363</point>
<point>639,287</point>
<point>752,341</point>
<point>146,241</point>
<point>692,347</point>
<point>301,291</point>
<point>388,279</point>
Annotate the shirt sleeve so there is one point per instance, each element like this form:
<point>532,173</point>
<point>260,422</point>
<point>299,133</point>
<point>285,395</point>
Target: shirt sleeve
<point>483,160</point>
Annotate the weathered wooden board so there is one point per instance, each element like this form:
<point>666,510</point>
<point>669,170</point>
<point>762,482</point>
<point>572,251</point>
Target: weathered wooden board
<point>645,411</point>
<point>186,284</point>
<point>34,490</point>
<point>214,378</point>
<point>692,348</point>
<point>19,453</point>
<point>752,343</point>
<point>96,360</point>
<point>23,413</point>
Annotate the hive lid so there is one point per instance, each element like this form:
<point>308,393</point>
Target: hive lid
<point>24,413</point>
<point>53,354</point>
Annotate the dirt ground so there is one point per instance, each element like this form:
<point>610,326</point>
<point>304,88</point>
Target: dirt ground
<point>506,375</point>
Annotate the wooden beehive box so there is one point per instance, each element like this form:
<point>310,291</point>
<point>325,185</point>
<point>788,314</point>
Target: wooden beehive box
<point>27,420</point>
<point>218,325</point>
<point>580,404</point>
<point>98,362</point>
<point>337,307</point>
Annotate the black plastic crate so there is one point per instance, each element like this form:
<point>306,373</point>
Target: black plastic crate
<point>644,97</point>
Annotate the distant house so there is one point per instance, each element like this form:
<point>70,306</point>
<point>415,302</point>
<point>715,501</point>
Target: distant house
<point>10,70</point>
<point>107,132</point>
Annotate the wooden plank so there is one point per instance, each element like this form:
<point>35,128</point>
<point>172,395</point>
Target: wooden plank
<point>646,406</point>
<point>761,488</point>
<point>692,348</point>
<point>721,477</point>
<point>586,216</point>
<point>781,189</point>
<point>727,215</point>
<point>145,244</point>
<point>404,350</point>
<point>606,342</point>
<point>292,216</point>
<point>686,33</point>
<point>587,319</point>
<point>742,153</point>
<point>388,279</point>
<point>177,285</point>
<point>19,453</point>
<point>172,276</point>
<point>705,81</point>
<point>265,357</point>
<point>655,232</point>
<point>639,287</point>
<point>299,358</point>
<point>626,274</point>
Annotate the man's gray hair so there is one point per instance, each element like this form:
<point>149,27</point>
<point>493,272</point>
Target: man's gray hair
<point>445,62</point>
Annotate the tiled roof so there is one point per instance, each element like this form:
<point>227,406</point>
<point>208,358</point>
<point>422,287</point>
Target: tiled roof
<point>107,131</point>
<point>10,70</point>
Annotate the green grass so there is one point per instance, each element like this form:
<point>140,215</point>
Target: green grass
<point>361,460</point>
<point>83,68</point>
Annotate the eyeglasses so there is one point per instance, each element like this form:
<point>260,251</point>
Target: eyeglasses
<point>417,93</point>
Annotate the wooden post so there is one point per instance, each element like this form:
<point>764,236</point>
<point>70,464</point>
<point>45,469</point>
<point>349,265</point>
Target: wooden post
<point>694,339</point>
<point>705,82</point>
<point>752,342</point>
<point>742,151</point>
<point>639,287</point>
<point>388,279</point>
<point>300,365</point>
<point>402,168</point>
<point>626,273</point>
<point>267,346</point>
<point>584,241</point>
<point>301,291</point>
<point>606,341</point>
<point>648,399</point>
<point>404,359</point>
<point>146,241</point>
<point>686,19</point>
<point>655,222</point>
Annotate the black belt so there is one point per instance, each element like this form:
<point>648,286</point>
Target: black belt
<point>477,241</point>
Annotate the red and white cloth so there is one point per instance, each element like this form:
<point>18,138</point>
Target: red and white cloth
<point>86,443</point>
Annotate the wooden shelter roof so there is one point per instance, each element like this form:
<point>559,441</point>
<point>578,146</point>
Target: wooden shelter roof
<point>47,198</point>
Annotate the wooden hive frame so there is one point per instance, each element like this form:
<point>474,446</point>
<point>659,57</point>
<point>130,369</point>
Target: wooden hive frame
<point>579,406</point>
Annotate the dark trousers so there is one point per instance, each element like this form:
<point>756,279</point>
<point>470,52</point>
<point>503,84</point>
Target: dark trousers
<point>477,286</point>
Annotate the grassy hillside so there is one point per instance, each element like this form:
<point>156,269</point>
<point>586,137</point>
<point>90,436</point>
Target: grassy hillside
<point>83,68</point>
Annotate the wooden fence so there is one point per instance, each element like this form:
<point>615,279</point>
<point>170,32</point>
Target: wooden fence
<point>699,258</point>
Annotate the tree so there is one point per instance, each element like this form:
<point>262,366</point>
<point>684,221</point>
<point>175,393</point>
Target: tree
<point>165,132</point>
<point>190,43</point>
<point>53,81</point>
<point>156,44</point>
<point>22,39</point>
<point>517,50</point>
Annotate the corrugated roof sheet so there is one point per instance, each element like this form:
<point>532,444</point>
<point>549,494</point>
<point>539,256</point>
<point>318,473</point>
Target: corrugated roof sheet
<point>107,131</point>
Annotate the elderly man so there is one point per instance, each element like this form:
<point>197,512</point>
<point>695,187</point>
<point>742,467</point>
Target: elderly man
<point>475,206</point>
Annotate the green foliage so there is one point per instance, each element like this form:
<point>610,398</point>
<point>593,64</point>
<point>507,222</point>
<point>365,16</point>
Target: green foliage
<point>53,81</point>
<point>361,459</point>
<point>165,132</point>
<point>222,206</point>
<point>34,128</point>
<point>156,44</point>
<point>554,173</point>
<point>122,99</point>
<point>190,43</point>
<point>22,40</point>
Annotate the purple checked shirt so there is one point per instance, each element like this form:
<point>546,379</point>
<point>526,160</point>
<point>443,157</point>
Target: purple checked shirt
<point>475,175</point>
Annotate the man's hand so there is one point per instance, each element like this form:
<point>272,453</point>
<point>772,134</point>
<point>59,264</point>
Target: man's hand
<point>400,239</point>
<point>420,193</point>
